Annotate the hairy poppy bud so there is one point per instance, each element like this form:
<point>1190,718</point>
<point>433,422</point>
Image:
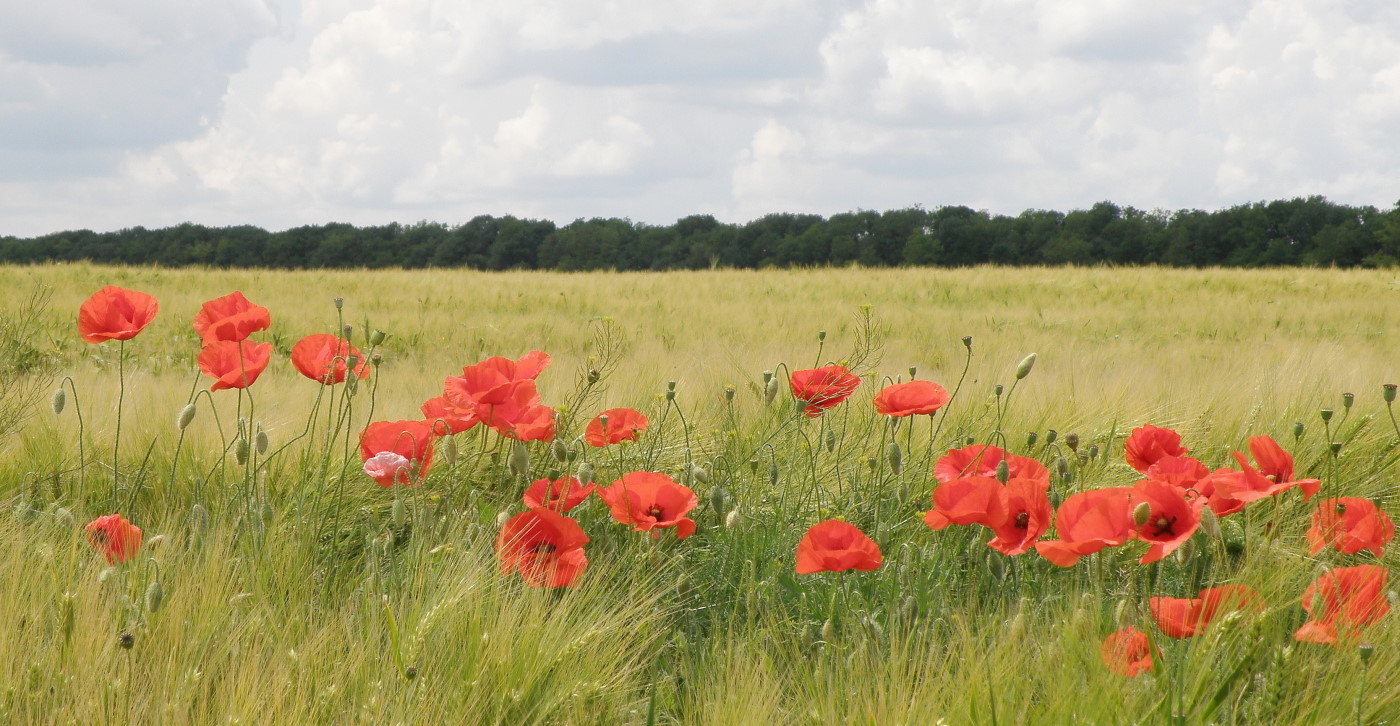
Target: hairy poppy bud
<point>1298,430</point>
<point>155,542</point>
<point>1024,368</point>
<point>260,441</point>
<point>1031,438</point>
<point>909,609</point>
<point>830,440</point>
<point>773,474</point>
<point>58,400</point>
<point>449,450</point>
<point>584,473</point>
<point>502,517</point>
<point>1003,471</point>
<point>1050,436</point>
<point>770,391</point>
<point>829,630</point>
<point>995,566</point>
<point>1388,392</point>
<point>821,335</point>
<point>155,596</point>
<point>519,462</point>
<point>64,518</point>
<point>376,337</point>
<point>339,303</point>
<point>399,513</point>
<point>699,474</point>
<point>240,451</point>
<point>1347,400</point>
<point>1210,524</point>
<point>967,342</point>
<point>198,519</point>
<point>1121,612</point>
<point>126,641</point>
<point>185,416</point>
<point>1072,441</point>
<point>719,500</point>
<point>733,519</point>
<point>1141,513</point>
<point>559,451</point>
<point>1326,414</point>
<point>894,457</point>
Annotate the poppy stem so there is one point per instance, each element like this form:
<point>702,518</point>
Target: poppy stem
<point>117,437</point>
<point>967,364</point>
<point>82,450</point>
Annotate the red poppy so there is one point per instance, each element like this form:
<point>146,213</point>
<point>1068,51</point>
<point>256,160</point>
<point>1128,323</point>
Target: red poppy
<point>117,539</point>
<point>413,440</point>
<point>910,399</point>
<point>520,415</point>
<point>447,418</point>
<point>821,388</point>
<point>234,364</point>
<point>650,501</point>
<point>230,317</point>
<point>559,495</point>
<point>1148,443</point>
<point>1127,652</point>
<point>1350,524</point>
<point>1185,617</point>
<point>1088,522</point>
<point>501,393</point>
<point>491,381</point>
<point>623,425</point>
<point>545,547</point>
<point>324,358</point>
<point>971,500</point>
<point>1342,601</point>
<point>1025,516</point>
<point>1277,465</point>
<point>115,313</point>
<point>1182,472</point>
<point>982,460</point>
<point>1172,517</point>
<point>836,546</point>
<point>1229,490</point>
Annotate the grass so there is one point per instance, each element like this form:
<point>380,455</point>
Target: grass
<point>294,592</point>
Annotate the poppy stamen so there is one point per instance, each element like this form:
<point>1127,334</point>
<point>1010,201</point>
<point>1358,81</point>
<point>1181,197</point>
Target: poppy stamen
<point>1023,520</point>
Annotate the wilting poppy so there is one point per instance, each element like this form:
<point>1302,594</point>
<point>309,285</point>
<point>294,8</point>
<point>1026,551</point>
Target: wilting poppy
<point>623,425</point>
<point>1088,522</point>
<point>821,388</point>
<point>117,539</point>
<point>836,546</point>
<point>650,501</point>
<point>1341,602</point>
<point>1277,466</point>
<point>1127,652</point>
<point>559,495</point>
<point>231,317</point>
<point>234,364</point>
<point>115,313</point>
<point>324,358</point>
<point>1185,617</point>
<point>545,547</point>
<point>413,440</point>
<point>1171,520</point>
<point>1148,443</point>
<point>1026,514</point>
<point>1350,524</point>
<point>970,500</point>
<point>910,399</point>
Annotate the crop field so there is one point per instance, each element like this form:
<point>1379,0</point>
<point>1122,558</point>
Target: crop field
<point>1174,513</point>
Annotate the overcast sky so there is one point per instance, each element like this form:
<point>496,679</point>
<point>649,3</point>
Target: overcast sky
<point>287,112</point>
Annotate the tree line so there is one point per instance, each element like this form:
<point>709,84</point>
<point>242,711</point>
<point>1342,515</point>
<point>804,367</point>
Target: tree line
<point>1308,231</point>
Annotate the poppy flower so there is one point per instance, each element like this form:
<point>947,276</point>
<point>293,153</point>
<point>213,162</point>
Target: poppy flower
<point>490,381</point>
<point>821,388</point>
<point>520,415</point>
<point>1088,522</point>
<point>1342,601</point>
<point>545,547</point>
<point>115,313</point>
<point>1171,520</point>
<point>559,495</point>
<point>982,460</point>
<point>1127,652</point>
<point>1229,490</point>
<point>323,358</point>
<point>1026,514</point>
<point>1148,443</point>
<point>231,317</point>
<point>117,539</point>
<point>412,440</point>
<point>1185,617</point>
<point>1350,524</point>
<point>836,546</point>
<point>1182,472</point>
<point>650,501</point>
<point>448,419</point>
<point>970,500</point>
<point>1277,466</point>
<point>234,364</point>
<point>501,393</point>
<point>910,399</point>
<point>386,466</point>
<point>623,425</point>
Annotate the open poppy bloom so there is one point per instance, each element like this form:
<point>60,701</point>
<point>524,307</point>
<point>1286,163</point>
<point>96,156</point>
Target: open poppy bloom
<point>1184,617</point>
<point>1350,524</point>
<point>1026,514</point>
<point>448,419</point>
<point>1171,520</point>
<point>500,393</point>
<point>411,440</point>
<point>117,539</point>
<point>836,546</point>
<point>231,317</point>
<point>1148,443</point>
<point>491,381</point>
<point>1182,472</point>
<point>386,466</point>
<point>970,500</point>
<point>623,425</point>
<point>324,358</point>
<point>559,495</point>
<point>1088,522</point>
<point>910,399</point>
<point>982,460</point>
<point>545,547</point>
<point>115,313</point>
<point>1277,466</point>
<point>234,364</point>
<point>1341,602</point>
<point>1127,652</point>
<point>520,415</point>
<point>650,501</point>
<point>821,388</point>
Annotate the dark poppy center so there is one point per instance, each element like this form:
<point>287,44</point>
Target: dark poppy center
<point>1341,508</point>
<point>654,512</point>
<point>1023,520</point>
<point>100,536</point>
<point>1164,525</point>
<point>543,548</point>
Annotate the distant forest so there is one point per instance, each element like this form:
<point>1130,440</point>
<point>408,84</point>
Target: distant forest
<point>1311,232</point>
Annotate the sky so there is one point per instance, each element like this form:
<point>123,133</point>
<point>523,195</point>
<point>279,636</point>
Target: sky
<point>280,113</point>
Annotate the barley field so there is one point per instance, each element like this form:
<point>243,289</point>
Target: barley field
<point>277,583</point>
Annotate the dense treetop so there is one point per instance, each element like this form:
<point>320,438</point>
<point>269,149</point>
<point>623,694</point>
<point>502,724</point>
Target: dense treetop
<point>1302,231</point>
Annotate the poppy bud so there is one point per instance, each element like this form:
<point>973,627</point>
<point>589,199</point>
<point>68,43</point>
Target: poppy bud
<point>967,342</point>
<point>733,519</point>
<point>559,451</point>
<point>64,518</point>
<point>1298,430</point>
<point>1336,447</point>
<point>260,441</point>
<point>1388,392</point>
<point>267,513</point>
<point>830,440</point>
<point>909,609</point>
<point>399,513</point>
<point>1031,439</point>
<point>126,641</point>
<point>997,389</point>
<point>339,303</point>
<point>894,457</point>
<point>719,500</point>
<point>773,474</point>
<point>240,451</point>
<point>155,596</point>
<point>377,337</point>
<point>1024,368</point>
<point>1366,650</point>
<point>728,393</point>
<point>185,416</point>
<point>155,542</point>
<point>1072,441</point>
<point>1050,436</point>
<point>502,517</point>
<point>106,574</point>
<point>770,391</point>
<point>1347,400</point>
<point>1186,551</point>
<point>584,473</point>
<point>1121,612</point>
<point>1326,414</point>
<point>1210,524</point>
<point>1003,471</point>
<point>829,630</point>
<point>995,566</point>
<point>198,519</point>
<point>821,335</point>
<point>59,400</point>
<point>519,462</point>
<point>1141,513</point>
<point>1062,466</point>
<point>699,474</point>
<point>449,450</point>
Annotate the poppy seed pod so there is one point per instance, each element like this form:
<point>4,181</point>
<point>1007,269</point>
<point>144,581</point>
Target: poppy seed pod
<point>967,342</point>
<point>1031,438</point>
<point>1093,451</point>
<point>1298,430</point>
<point>1062,466</point>
<point>126,641</point>
<point>1003,471</point>
<point>895,457</point>
<point>1347,400</point>
<point>1072,441</point>
<point>1366,650</point>
<point>593,376</point>
<point>1025,366</point>
<point>1141,513</point>
<point>1050,436</point>
<point>519,462</point>
<point>376,337</point>
<point>1388,392</point>
<point>186,415</point>
<point>767,376</point>
<point>155,596</point>
<point>339,302</point>
<point>821,335</point>
<point>1326,414</point>
<point>728,393</point>
<point>998,389</point>
<point>830,440</point>
<point>1335,447</point>
<point>410,672</point>
<point>58,400</point>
